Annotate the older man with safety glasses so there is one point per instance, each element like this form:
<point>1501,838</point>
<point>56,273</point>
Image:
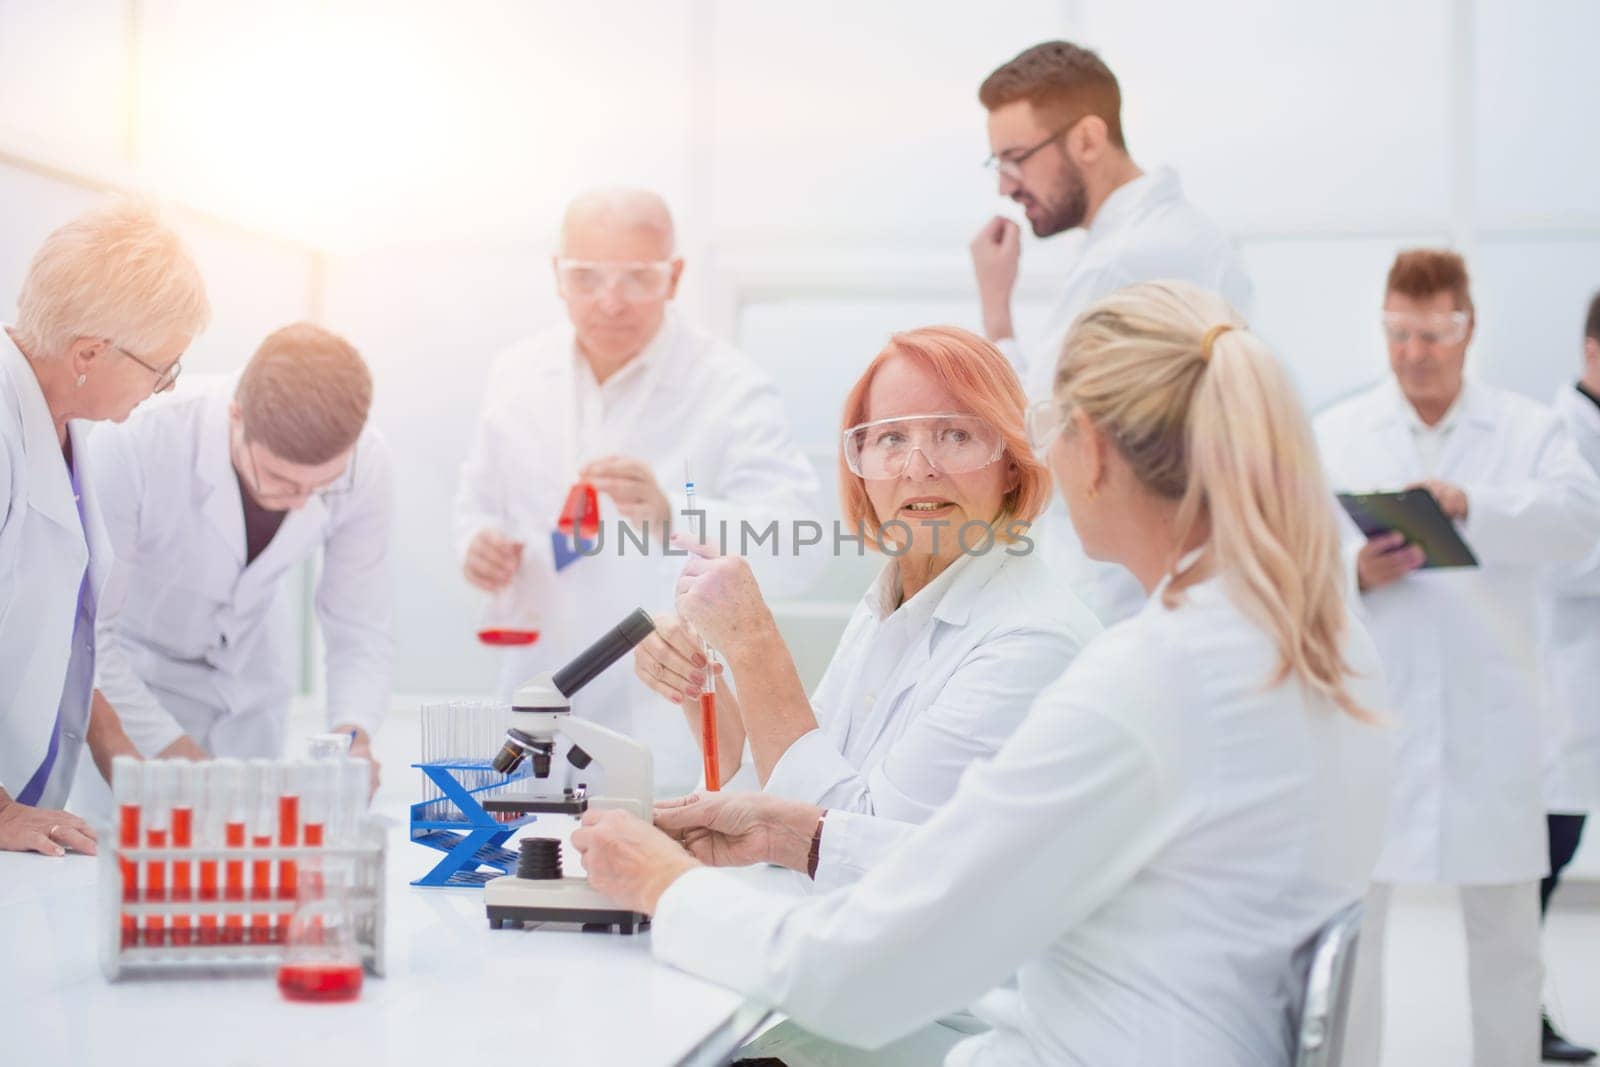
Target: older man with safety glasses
<point>588,431</point>
<point>214,498</point>
<point>1460,645</point>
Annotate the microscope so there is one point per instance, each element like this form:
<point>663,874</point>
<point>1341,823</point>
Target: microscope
<point>541,710</point>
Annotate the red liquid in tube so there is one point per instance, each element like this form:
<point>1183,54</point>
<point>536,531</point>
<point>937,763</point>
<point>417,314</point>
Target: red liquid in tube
<point>288,870</point>
<point>320,981</point>
<point>501,637</point>
<point>708,741</point>
<point>261,889</point>
<point>233,873</point>
<point>182,871</point>
<point>155,880</point>
<point>128,837</point>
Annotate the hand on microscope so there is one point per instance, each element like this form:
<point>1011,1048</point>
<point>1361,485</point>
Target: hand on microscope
<point>629,860</point>
<point>740,829</point>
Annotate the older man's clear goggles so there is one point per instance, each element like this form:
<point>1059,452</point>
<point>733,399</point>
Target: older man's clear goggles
<point>633,281</point>
<point>1446,328</point>
<point>950,444</point>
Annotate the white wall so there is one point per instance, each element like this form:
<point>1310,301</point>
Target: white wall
<point>823,161</point>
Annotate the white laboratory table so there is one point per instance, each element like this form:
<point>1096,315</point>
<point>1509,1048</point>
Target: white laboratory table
<point>456,992</point>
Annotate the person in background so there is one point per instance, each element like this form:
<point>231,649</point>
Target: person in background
<point>948,648</point>
<point>110,304</point>
<point>1177,816</point>
<point>624,396</point>
<point>214,499</point>
<point>1058,149</point>
<point>1459,645</point>
<point>1571,629</point>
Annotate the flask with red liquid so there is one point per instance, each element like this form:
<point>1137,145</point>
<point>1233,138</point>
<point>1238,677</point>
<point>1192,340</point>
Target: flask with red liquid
<point>512,616</point>
<point>321,960</point>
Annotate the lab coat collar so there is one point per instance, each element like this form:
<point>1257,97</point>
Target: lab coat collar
<point>1471,407</point>
<point>948,598</point>
<point>214,465</point>
<point>650,357</point>
<point>1127,201</point>
<point>49,483</point>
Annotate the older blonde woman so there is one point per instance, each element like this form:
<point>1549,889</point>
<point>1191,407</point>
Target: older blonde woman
<point>949,646</point>
<point>1175,818</point>
<point>110,304</point>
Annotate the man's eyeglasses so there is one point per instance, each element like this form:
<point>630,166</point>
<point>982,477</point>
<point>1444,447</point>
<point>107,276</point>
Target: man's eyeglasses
<point>165,379</point>
<point>1448,328</point>
<point>635,281</point>
<point>284,489</point>
<point>1010,166</point>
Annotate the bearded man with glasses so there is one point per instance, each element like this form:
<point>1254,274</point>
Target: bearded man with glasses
<point>214,498</point>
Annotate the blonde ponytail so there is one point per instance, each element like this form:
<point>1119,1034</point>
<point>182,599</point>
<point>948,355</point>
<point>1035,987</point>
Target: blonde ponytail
<point>1206,416</point>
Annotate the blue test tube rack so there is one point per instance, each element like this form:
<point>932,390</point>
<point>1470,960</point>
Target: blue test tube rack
<point>457,824</point>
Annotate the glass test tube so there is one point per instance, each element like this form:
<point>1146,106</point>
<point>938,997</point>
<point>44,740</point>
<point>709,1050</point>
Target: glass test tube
<point>708,724</point>
<point>292,785</point>
<point>229,779</point>
<point>355,779</point>
<point>157,817</point>
<point>261,788</point>
<point>184,777</point>
<point>127,781</point>
<point>208,834</point>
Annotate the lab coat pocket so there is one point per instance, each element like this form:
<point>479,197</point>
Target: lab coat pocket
<point>180,620</point>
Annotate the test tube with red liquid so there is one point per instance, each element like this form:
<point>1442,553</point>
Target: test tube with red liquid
<point>229,797</point>
<point>208,830</point>
<point>708,725</point>
<point>127,782</point>
<point>261,786</point>
<point>157,818</point>
<point>292,785</point>
<point>183,775</point>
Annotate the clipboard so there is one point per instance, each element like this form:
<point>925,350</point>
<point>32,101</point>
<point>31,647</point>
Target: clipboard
<point>1415,513</point>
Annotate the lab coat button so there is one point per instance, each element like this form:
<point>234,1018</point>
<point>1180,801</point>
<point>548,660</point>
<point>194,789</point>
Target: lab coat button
<point>74,738</point>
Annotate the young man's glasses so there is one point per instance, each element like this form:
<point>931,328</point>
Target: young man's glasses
<point>278,488</point>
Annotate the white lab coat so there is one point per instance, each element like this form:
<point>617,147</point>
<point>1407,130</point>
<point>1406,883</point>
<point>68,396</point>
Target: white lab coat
<point>194,641</point>
<point>1144,232</point>
<point>1460,645</point>
<point>1571,632</point>
<point>685,397</point>
<point>45,550</point>
<point>1148,854</point>
<point>914,695</point>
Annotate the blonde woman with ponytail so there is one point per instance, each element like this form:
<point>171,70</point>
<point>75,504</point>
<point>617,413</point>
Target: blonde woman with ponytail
<point>1178,814</point>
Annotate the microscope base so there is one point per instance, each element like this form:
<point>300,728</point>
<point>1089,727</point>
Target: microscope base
<point>516,901</point>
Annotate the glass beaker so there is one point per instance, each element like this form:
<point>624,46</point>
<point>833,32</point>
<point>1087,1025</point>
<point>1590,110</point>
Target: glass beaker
<point>322,959</point>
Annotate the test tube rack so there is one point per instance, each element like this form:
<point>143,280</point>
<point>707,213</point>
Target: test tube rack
<point>366,859</point>
<point>457,824</point>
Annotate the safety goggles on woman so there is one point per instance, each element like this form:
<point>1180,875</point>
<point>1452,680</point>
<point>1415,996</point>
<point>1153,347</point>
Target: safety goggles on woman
<point>949,443</point>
